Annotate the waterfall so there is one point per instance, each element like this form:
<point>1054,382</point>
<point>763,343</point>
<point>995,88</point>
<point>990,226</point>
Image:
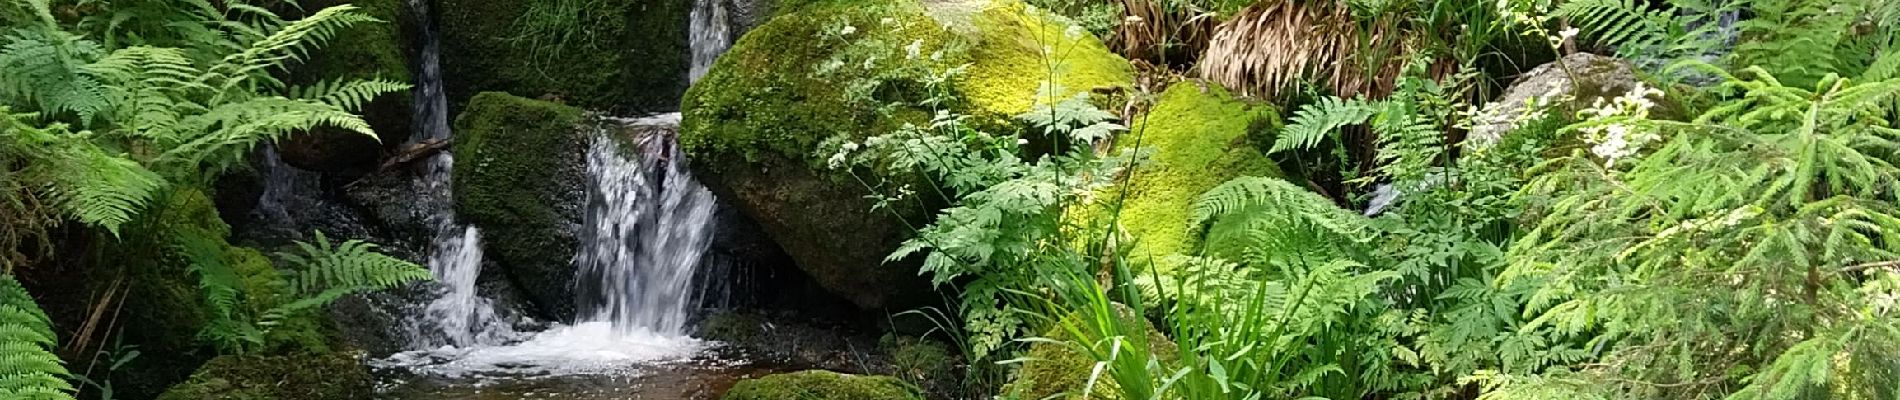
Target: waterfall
<point>647,226</point>
<point>458,316</point>
<point>710,33</point>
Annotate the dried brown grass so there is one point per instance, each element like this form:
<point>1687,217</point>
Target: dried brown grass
<point>1269,48</point>
<point>1160,34</point>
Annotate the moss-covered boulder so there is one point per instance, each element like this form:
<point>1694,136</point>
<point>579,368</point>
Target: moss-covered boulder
<point>820,384</point>
<point>519,176</point>
<point>371,50</point>
<point>329,375</point>
<point>1196,137</point>
<point>621,55</point>
<point>831,70</point>
<point>1052,370</point>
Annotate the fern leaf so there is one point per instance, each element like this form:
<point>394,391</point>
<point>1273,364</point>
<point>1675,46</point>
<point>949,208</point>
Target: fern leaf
<point>28,368</point>
<point>1318,120</point>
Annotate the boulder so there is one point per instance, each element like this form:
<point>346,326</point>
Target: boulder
<point>1196,137</point>
<point>831,70</point>
<point>520,171</point>
<point>619,55</point>
<point>1550,88</point>
<point>820,384</point>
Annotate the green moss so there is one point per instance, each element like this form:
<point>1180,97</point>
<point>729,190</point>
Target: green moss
<point>922,362</point>
<point>770,93</point>
<point>598,54</point>
<point>1020,48</point>
<point>818,384</point>
<point>282,377</point>
<point>765,96</point>
<point>1061,371</point>
<point>1196,138</point>
<point>516,160</point>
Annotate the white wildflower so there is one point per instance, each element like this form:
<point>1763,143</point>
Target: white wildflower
<point>848,30</point>
<point>1022,142</point>
<point>1074,32</point>
<point>1569,33</point>
<point>915,48</point>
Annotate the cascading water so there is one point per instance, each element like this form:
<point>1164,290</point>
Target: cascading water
<point>710,33</point>
<point>648,225</point>
<point>458,316</point>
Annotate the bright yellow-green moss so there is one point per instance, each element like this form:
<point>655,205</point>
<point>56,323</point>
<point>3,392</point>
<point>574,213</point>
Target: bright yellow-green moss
<point>768,95</point>
<point>819,384</point>
<point>1196,138</point>
<point>1019,48</point>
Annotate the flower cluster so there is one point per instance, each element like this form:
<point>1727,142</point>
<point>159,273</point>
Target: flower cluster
<point>1614,131</point>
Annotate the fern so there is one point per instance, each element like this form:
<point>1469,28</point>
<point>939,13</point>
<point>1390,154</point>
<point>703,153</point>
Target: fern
<point>28,368</point>
<point>328,271</point>
<point>1751,226</point>
<point>1629,26</point>
<point>1320,120</point>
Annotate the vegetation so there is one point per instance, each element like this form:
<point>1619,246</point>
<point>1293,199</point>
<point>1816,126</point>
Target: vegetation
<point>117,116</point>
<point>1117,217</point>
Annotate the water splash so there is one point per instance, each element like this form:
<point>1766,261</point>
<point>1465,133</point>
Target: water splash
<point>710,33</point>
<point>648,224</point>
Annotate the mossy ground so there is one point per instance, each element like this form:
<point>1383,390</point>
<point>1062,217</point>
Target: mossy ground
<point>1195,138</point>
<point>329,375</point>
<point>516,164</point>
<point>819,384</point>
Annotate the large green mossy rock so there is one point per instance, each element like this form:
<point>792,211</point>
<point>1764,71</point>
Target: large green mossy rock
<point>297,376</point>
<point>369,50</point>
<point>1196,137</point>
<point>819,384</point>
<point>519,176</point>
<point>838,70</point>
<point>620,55</point>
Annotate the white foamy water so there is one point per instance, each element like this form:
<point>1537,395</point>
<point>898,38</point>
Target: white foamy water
<point>647,225</point>
<point>588,348</point>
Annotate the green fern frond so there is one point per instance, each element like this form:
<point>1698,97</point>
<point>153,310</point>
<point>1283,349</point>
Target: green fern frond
<point>28,368</point>
<point>353,265</point>
<point>287,44</point>
<point>93,187</point>
<point>1626,25</point>
<point>1317,121</point>
<point>349,95</point>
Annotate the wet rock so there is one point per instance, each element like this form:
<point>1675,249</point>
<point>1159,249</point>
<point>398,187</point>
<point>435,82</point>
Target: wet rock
<point>754,125</point>
<point>519,176</point>
<point>361,51</point>
<point>820,384</point>
<point>330,150</point>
